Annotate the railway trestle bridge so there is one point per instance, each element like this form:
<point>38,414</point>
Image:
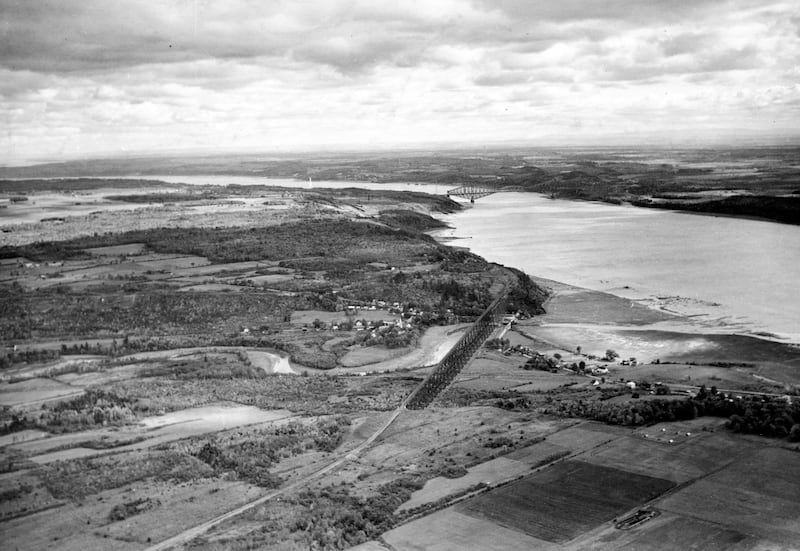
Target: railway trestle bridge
<point>458,357</point>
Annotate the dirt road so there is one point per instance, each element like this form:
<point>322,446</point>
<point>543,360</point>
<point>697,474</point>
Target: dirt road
<point>200,529</point>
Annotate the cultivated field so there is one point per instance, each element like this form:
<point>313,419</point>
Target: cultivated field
<point>758,495</point>
<point>566,500</point>
<point>678,462</point>
<point>451,530</point>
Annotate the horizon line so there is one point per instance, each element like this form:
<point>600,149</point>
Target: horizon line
<point>781,141</point>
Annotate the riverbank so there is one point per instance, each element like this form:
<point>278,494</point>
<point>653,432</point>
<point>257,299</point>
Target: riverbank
<point>726,275</point>
<point>666,346</point>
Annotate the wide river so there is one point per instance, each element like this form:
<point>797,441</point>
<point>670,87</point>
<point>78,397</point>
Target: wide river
<point>731,275</point>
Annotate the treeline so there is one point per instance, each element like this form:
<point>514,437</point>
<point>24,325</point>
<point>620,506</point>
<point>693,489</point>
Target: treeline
<point>784,209</point>
<point>75,184</point>
<point>48,314</point>
<point>27,356</point>
<point>409,219</point>
<point>91,409</point>
<point>238,366</point>
<point>168,197</point>
<point>324,238</point>
<point>78,478</point>
<point>766,416</point>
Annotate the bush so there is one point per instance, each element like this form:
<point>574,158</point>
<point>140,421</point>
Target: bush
<point>498,442</point>
<point>453,471</point>
<point>131,508</point>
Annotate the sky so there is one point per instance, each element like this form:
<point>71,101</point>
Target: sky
<point>82,78</point>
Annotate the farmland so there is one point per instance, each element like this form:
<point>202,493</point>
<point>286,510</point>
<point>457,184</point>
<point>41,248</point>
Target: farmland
<point>566,500</point>
<point>573,503</point>
<point>198,350</point>
<point>191,351</point>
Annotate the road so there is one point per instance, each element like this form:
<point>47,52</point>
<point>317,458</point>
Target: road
<point>200,529</point>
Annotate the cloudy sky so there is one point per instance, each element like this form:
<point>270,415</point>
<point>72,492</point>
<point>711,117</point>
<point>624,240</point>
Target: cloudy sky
<point>89,77</point>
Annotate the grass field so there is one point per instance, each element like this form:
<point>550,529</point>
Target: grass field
<point>450,530</point>
<point>489,472</point>
<point>580,438</point>
<point>565,500</point>
<point>675,462</point>
<point>85,525</point>
<point>758,495</point>
<point>34,391</point>
<point>151,432</point>
<point>681,533</point>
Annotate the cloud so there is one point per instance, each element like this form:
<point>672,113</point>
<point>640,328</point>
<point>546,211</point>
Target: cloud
<point>70,35</point>
<point>618,12</point>
<point>292,71</point>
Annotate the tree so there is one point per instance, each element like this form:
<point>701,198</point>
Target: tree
<point>611,355</point>
<point>794,433</point>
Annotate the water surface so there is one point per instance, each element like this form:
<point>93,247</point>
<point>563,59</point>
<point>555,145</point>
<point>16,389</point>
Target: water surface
<point>732,274</point>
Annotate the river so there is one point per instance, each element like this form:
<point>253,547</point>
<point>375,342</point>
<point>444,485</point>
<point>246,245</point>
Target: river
<point>731,275</point>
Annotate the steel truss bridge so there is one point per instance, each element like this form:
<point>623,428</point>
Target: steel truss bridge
<point>458,357</point>
<point>476,191</point>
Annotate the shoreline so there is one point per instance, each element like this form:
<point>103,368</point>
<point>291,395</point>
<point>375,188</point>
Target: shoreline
<point>600,320</point>
<point>657,312</point>
<point>707,311</point>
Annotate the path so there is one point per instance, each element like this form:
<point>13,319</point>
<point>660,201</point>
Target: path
<point>200,529</point>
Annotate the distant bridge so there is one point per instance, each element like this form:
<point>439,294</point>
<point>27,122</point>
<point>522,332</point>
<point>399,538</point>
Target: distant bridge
<point>476,191</point>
